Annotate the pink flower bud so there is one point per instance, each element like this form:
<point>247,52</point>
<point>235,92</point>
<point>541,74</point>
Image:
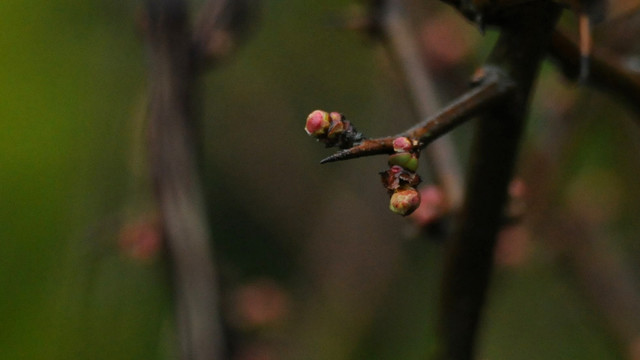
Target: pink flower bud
<point>404,200</point>
<point>317,123</point>
<point>402,144</point>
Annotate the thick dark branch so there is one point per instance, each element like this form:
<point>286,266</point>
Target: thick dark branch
<point>606,70</point>
<point>177,184</point>
<point>494,87</point>
<point>469,258</point>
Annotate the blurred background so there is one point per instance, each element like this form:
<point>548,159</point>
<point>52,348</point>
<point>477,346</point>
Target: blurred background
<point>311,262</point>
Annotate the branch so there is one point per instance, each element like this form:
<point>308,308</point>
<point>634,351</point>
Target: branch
<point>469,255</point>
<point>176,180</point>
<point>606,70</point>
<point>494,87</point>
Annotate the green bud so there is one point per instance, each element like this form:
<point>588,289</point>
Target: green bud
<point>407,160</point>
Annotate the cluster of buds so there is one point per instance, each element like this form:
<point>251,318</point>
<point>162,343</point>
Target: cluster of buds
<point>401,178</point>
<point>332,129</point>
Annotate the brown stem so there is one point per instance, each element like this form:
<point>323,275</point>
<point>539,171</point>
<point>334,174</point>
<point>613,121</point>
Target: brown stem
<point>494,87</point>
<point>469,255</point>
<point>606,71</point>
<point>176,179</point>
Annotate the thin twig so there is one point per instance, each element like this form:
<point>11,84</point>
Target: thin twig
<point>494,87</point>
<point>606,71</point>
<point>177,184</point>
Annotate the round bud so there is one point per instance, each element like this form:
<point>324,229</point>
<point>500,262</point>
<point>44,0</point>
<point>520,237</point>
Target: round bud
<point>404,200</point>
<point>407,160</point>
<point>402,144</point>
<point>317,123</point>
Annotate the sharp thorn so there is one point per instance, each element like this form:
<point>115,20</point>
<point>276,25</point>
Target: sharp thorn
<point>332,158</point>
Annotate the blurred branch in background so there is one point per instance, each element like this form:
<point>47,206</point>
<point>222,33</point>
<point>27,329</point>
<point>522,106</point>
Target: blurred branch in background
<point>177,56</point>
<point>172,151</point>
<point>607,72</point>
<point>576,236</point>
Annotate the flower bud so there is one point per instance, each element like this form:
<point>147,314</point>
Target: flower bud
<point>407,160</point>
<point>317,123</point>
<point>336,116</point>
<point>402,144</point>
<point>337,125</point>
<point>404,200</point>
